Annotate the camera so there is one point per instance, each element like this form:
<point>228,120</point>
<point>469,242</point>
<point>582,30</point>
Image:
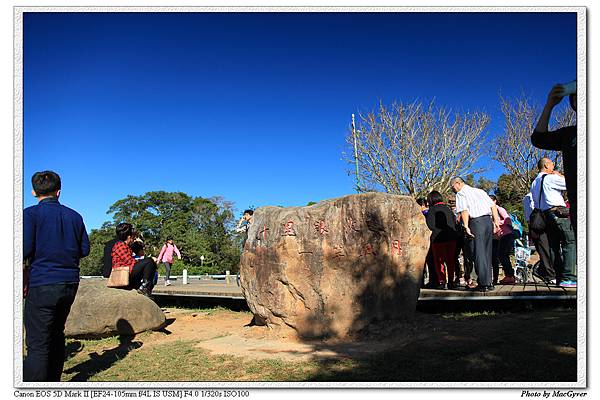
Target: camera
<point>569,88</point>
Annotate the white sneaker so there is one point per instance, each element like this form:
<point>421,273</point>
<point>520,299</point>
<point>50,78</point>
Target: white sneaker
<point>167,283</point>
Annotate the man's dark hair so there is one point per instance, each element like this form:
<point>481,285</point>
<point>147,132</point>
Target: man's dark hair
<point>435,197</point>
<point>422,201</point>
<point>45,183</point>
<point>124,230</point>
<point>137,246</point>
<point>250,212</point>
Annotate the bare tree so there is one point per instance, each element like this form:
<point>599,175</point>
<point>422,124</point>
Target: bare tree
<point>414,148</point>
<point>513,148</point>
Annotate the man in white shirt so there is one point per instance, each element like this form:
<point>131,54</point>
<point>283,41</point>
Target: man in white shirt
<point>481,221</point>
<point>556,244</point>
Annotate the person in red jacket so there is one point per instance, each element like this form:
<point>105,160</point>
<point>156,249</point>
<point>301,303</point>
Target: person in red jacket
<point>141,272</point>
<point>444,236</point>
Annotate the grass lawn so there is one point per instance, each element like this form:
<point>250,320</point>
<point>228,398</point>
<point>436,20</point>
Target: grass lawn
<point>532,346</point>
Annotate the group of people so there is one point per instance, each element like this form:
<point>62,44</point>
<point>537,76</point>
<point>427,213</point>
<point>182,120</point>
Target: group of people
<point>482,230</point>
<point>127,250</point>
<point>475,226</point>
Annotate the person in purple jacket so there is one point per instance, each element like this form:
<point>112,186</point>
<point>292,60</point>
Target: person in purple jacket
<point>54,240</point>
<point>166,257</point>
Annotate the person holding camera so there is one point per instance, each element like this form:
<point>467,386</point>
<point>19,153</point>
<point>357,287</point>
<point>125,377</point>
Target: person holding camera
<point>556,242</point>
<point>243,225</point>
<point>563,140</point>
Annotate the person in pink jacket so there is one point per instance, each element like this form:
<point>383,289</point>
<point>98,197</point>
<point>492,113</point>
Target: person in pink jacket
<point>166,257</point>
<point>503,246</point>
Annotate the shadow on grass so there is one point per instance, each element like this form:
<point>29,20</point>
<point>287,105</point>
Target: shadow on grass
<point>524,347</point>
<point>72,348</point>
<point>103,361</point>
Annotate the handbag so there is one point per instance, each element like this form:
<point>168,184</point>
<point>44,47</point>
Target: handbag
<point>119,278</point>
<point>537,221</point>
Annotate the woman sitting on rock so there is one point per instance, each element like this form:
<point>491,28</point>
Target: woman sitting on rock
<point>141,272</point>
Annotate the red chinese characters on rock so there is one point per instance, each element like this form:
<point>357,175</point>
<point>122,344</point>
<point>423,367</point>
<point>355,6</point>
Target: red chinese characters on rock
<point>321,228</point>
<point>288,229</point>
<point>261,236</point>
<point>368,249</point>
<point>338,251</point>
<point>396,248</point>
<point>350,225</point>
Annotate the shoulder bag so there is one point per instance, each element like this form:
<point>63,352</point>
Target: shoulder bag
<point>537,221</point>
<point>119,278</point>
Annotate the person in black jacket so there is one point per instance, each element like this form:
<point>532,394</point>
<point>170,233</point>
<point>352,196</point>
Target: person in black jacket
<point>444,236</point>
<point>429,270</point>
<point>107,258</point>
<point>563,140</point>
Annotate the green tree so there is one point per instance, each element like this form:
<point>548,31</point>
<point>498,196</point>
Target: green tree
<point>510,193</point>
<point>199,227</point>
<point>485,184</point>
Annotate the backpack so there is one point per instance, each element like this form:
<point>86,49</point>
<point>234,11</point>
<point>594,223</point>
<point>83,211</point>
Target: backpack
<point>517,226</point>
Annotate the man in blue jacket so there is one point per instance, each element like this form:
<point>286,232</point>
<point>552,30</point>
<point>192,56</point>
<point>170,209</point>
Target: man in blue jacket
<point>54,239</point>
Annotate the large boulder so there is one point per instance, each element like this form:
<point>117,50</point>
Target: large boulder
<point>332,268</point>
<point>99,311</point>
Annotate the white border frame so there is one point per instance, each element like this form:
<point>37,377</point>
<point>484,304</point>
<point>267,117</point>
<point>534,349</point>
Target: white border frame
<point>581,218</point>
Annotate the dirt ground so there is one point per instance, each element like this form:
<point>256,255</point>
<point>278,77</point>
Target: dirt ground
<point>227,332</point>
<point>230,333</point>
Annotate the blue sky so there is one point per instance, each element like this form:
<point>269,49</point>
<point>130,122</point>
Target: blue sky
<point>255,107</point>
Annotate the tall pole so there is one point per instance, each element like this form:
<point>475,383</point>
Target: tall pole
<point>355,154</point>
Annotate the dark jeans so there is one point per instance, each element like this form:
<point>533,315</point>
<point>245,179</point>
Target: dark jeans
<point>501,250</point>
<point>573,213</point>
<point>557,250</point>
<point>143,269</point>
<point>569,248</point>
<point>46,310</point>
<point>482,228</point>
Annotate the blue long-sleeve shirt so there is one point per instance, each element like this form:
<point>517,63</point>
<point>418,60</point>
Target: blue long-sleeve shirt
<point>54,239</point>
